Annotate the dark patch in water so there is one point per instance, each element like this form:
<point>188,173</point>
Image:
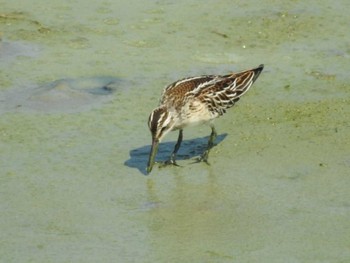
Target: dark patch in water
<point>64,95</point>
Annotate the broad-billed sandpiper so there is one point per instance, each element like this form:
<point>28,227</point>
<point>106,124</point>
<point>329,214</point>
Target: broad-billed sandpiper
<point>196,100</point>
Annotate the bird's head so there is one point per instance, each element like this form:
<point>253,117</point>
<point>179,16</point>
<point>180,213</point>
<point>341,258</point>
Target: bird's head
<point>160,122</point>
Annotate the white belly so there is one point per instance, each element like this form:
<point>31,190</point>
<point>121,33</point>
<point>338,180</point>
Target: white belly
<point>195,113</point>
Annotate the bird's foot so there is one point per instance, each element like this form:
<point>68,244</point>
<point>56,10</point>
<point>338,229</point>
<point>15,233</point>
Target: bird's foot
<point>203,158</point>
<point>169,162</point>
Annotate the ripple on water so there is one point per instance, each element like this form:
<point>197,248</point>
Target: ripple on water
<point>64,95</point>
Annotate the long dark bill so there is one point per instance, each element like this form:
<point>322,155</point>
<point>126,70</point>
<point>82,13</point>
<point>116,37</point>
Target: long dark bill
<point>152,155</point>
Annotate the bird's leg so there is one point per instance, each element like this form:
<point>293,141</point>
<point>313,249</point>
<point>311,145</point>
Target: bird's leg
<point>176,148</point>
<point>204,156</point>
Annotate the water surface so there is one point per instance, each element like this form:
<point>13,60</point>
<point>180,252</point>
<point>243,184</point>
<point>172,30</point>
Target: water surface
<point>73,187</point>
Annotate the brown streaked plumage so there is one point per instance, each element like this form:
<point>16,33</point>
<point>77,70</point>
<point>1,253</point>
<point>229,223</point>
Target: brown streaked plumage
<point>196,100</point>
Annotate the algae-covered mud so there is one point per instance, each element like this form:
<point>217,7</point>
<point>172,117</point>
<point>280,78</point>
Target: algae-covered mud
<point>77,83</point>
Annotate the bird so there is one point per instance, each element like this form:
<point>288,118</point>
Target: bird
<point>196,100</point>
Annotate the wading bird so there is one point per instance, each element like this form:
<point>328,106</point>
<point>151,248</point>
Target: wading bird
<point>196,100</point>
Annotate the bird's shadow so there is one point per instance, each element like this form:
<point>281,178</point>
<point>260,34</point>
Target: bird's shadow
<point>189,149</point>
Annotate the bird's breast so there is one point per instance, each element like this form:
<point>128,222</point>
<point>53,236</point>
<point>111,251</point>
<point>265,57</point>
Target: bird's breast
<point>193,113</point>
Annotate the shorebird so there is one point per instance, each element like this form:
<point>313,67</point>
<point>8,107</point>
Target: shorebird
<point>196,100</point>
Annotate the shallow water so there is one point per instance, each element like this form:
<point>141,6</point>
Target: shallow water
<point>73,185</point>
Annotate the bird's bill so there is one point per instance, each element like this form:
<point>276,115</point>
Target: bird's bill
<point>152,155</point>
